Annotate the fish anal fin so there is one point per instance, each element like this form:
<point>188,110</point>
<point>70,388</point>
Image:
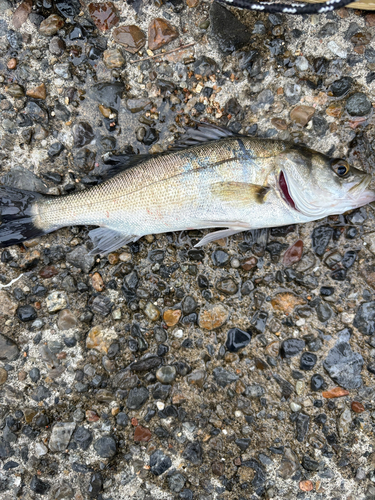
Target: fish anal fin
<point>217,235</point>
<point>240,192</point>
<point>107,240</point>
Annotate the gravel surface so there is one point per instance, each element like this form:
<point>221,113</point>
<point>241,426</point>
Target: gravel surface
<point>241,370</point>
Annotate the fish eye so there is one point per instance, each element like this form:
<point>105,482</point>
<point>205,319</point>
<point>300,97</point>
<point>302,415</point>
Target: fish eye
<point>340,167</point>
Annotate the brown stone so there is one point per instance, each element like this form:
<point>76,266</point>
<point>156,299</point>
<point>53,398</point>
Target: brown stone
<point>113,258</point>
<point>91,416</point>
<point>249,263</point>
<point>334,110</point>
<point>67,320</point>
<point>113,58</point>
<point>306,485</point>
<point>39,92</point>
<point>48,272</point>
<point>97,282</point>
<point>29,414</point>
<point>22,13</point>
<point>96,340</point>
<point>22,375</point>
<point>273,349</point>
<point>213,316</point>
<point>343,13</point>
<point>3,376</point>
<point>357,407</point>
<point>279,123</point>
<point>286,302</point>
<point>51,25</point>
<point>192,3</point>
<point>160,32</point>
<point>130,37</point>
<point>104,15</point>
<point>336,392</point>
<point>293,253</point>
<point>12,63</point>
<point>218,468</point>
<point>30,259</point>
<point>172,316</point>
<point>8,305</point>
<point>142,434</point>
<point>302,114</point>
<point>370,20</point>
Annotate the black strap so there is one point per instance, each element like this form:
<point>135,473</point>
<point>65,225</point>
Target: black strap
<point>293,8</point>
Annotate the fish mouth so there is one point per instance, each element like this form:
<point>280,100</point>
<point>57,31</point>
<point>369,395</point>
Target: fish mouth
<point>285,193</point>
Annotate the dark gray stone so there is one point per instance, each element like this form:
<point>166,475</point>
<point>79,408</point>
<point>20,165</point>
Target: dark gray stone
<point>358,104</point>
<point>81,258</point>
<point>176,482</point>
<point>193,453</point>
<point>137,398</point>
<point>224,377</point>
<point>105,447</point>
<point>364,319</point>
<point>227,30</point>
<point>8,349</point>
<point>159,463</point>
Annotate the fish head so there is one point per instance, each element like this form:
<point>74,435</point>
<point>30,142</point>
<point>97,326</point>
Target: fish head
<point>317,186</point>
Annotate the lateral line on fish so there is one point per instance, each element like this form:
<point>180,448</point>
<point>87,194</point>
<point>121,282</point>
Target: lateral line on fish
<point>77,205</point>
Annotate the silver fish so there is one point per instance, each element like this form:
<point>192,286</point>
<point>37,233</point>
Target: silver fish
<point>212,178</point>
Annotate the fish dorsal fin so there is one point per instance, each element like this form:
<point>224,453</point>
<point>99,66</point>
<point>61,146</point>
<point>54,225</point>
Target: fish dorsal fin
<point>107,240</point>
<point>201,133</point>
<point>118,163</point>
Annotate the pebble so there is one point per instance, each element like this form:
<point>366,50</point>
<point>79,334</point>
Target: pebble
<point>344,366</point>
<point>83,134</point>
<point>8,306</point>
<point>212,316</point>
<point>301,63</point>
<point>130,37</point>
<point>286,302</point>
<point>302,114</point>
<point>113,58</point>
<point>227,286</point>
<point>228,31</point>
<point>38,486</point>
<point>358,104</point>
<point>56,301</point>
<point>295,407</point>
<point>172,316</point>
<point>291,347</point>
<point>80,257</point>
<point>357,407</point>
<point>142,434</point>
<point>224,377</point>
<point>166,374</point>
<point>336,392</point>
<point>160,33</point>
<point>152,312</point>
<point>104,15</point>
<point>97,282</point>
<point>317,382</point>
<point>341,87</point>
<point>105,447</point>
<point>61,434</point>
<point>3,374</point>
<point>98,340</point>
<point>159,463</point>
<point>364,319</point>
<point>308,361</point>
<point>26,313</point>
<point>39,92</point>
<point>137,398</point>
<point>67,320</point>
<point>237,339</point>
<point>51,25</point>
<point>344,423</point>
<point>337,50</point>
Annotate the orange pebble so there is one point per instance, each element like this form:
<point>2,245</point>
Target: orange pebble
<point>306,485</point>
<point>336,392</point>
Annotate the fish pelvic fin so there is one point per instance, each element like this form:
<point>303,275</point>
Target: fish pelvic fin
<point>18,216</point>
<point>107,240</point>
<point>217,235</point>
<point>240,192</point>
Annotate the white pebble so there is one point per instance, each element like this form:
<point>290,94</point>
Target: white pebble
<point>295,407</point>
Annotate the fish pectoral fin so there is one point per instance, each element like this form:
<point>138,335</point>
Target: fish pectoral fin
<point>107,240</point>
<point>217,235</point>
<point>240,192</point>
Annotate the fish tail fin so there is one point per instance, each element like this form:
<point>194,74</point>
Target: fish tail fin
<point>17,216</point>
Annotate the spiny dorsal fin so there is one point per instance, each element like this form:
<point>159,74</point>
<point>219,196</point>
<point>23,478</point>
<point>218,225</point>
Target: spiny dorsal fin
<point>201,133</point>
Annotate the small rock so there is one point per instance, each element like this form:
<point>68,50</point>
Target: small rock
<point>97,339</point>
<point>8,306</point>
<point>152,312</point>
<point>137,398</point>
<point>237,339</point>
<point>193,453</point>
<point>51,25</point>
<point>83,134</point>
<point>293,253</point>
<point>286,302</point>
<point>227,286</point>
<point>212,316</point>
<point>56,301</point>
<point>105,447</point>
<point>38,486</point>
<point>61,434</point>
<point>160,32</point>
<point>358,104</point>
<point>142,434</point>
<point>97,282</point>
<point>39,92</point>
<point>220,258</point>
<point>176,482</point>
<point>26,313</point>
<point>113,59</point>
<point>3,376</point>
<point>166,374</point>
<point>197,378</point>
<point>339,88</point>
<point>224,377</point>
<point>344,422</point>
<point>364,319</point>
<point>130,37</point>
<point>309,463</point>
<point>336,392</point>
<point>301,63</point>
<point>22,13</point>
<point>159,463</point>
<point>172,317</point>
<point>104,15</point>
<point>229,32</point>
<point>56,46</point>
<point>80,258</point>
<point>357,407</point>
<point>337,50</point>
<point>66,320</point>
<point>302,114</point>
<point>307,361</point>
<point>291,347</point>
<point>344,366</point>
<point>317,382</point>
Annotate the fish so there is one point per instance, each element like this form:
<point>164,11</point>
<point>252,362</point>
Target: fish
<point>211,178</point>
